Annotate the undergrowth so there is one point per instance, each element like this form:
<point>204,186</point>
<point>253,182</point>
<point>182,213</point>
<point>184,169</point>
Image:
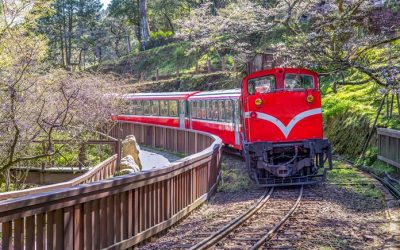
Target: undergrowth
<point>234,176</point>
<point>349,178</point>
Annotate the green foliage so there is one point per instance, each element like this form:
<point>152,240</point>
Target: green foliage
<point>349,114</point>
<point>161,34</point>
<point>72,28</point>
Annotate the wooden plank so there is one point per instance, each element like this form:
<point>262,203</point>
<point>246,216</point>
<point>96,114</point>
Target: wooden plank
<point>6,236</point>
<point>30,232</point>
<point>59,225</point>
<point>135,205</point>
<point>103,222</point>
<point>125,221</point>
<point>19,234</point>
<point>159,203</point>
<point>131,218</point>
<point>389,132</point>
<point>68,231</point>
<point>40,231</point>
<point>151,206</point>
<point>118,217</point>
<point>110,220</point>
<point>389,161</point>
<point>87,220</point>
<point>78,226</point>
<point>50,229</point>
<point>96,225</point>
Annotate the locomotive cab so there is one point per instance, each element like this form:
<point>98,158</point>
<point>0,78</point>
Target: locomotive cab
<point>283,133</point>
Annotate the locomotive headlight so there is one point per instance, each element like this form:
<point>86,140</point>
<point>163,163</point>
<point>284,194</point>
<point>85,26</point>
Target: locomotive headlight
<point>310,98</point>
<point>258,101</point>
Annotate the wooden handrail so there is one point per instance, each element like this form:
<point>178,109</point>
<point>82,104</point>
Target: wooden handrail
<point>119,212</point>
<point>89,176</point>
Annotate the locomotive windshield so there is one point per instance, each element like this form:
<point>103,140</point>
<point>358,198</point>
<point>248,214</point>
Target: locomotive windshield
<point>262,84</point>
<point>293,81</point>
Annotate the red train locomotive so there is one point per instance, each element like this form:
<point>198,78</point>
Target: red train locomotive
<point>274,120</point>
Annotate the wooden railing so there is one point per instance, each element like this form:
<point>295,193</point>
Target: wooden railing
<point>389,146</point>
<point>102,171</point>
<point>120,212</point>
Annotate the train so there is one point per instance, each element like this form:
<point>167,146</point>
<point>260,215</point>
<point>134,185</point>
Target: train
<point>274,121</point>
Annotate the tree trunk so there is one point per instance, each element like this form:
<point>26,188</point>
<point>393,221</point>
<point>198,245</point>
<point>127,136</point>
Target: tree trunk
<point>69,47</point>
<point>128,41</point>
<point>62,48</point>
<point>144,25</point>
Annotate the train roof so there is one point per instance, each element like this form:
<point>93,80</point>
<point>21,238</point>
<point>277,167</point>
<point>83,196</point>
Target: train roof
<point>279,71</point>
<point>159,96</point>
<point>217,94</point>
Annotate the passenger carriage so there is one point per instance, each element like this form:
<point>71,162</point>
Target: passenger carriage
<point>274,120</point>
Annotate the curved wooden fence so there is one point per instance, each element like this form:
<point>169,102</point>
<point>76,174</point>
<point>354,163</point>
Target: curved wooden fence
<point>102,171</point>
<point>120,212</point>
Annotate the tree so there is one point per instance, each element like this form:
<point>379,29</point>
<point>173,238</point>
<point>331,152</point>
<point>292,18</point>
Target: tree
<point>144,24</point>
<point>71,30</point>
<point>235,29</point>
<point>334,37</point>
<point>35,102</point>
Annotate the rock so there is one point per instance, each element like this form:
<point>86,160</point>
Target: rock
<point>124,172</point>
<point>127,166</point>
<point>131,147</point>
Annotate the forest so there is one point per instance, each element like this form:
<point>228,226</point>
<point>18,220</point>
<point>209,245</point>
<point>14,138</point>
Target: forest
<point>64,62</point>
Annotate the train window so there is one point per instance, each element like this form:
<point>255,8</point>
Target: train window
<point>146,107</point>
<point>262,84</point>
<point>138,108</point>
<point>155,108</point>
<point>129,107</point>
<point>293,81</point>
<point>215,110</point>
<point>193,109</point>
<point>173,108</point>
<point>222,115</point>
<point>164,108</point>
<point>208,109</point>
<point>198,115</point>
<point>203,110</point>
<point>229,111</point>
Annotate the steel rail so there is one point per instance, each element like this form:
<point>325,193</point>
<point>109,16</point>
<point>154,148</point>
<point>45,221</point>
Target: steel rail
<point>227,229</point>
<point>277,226</point>
<point>393,190</point>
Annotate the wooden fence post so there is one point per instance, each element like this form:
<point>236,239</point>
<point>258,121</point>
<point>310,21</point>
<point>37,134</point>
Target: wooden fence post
<point>223,64</point>
<point>157,76</point>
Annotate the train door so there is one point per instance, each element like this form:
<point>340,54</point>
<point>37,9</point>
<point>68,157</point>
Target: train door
<point>237,121</point>
<point>182,114</point>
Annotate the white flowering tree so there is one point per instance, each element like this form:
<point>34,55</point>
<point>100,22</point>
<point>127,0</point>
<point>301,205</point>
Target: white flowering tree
<point>333,36</point>
<point>36,102</point>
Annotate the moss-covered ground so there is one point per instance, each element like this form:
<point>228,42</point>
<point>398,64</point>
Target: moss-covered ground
<point>350,178</point>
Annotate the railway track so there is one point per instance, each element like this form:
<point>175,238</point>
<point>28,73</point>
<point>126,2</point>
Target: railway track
<point>388,182</point>
<point>257,225</point>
